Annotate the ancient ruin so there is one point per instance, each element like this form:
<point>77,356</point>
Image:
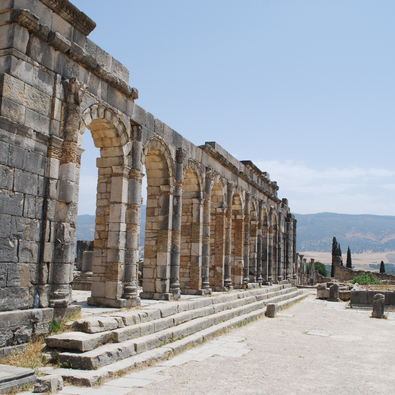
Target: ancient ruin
<point>213,222</point>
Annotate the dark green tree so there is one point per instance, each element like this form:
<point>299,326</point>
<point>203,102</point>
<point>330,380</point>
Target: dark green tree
<point>320,267</point>
<point>382,267</point>
<point>334,246</point>
<point>339,250</point>
<point>334,250</point>
<point>349,263</point>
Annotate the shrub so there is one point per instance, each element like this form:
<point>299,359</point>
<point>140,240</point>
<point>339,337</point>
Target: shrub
<point>366,279</point>
<point>320,267</point>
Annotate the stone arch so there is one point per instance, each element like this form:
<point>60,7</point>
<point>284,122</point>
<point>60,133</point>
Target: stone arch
<point>112,136</point>
<point>194,165</point>
<point>191,229</point>
<point>159,147</point>
<point>107,126</point>
<point>217,234</point>
<point>159,164</point>
<point>221,186</point>
<point>237,239</point>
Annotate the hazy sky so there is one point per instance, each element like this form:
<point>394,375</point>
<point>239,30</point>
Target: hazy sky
<point>304,89</point>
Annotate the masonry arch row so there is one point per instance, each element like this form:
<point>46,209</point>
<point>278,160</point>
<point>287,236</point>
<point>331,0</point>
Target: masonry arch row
<point>212,222</point>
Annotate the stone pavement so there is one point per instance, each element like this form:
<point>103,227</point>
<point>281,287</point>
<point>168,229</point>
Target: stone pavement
<point>312,347</point>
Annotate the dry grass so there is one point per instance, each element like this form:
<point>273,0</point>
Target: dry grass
<point>30,357</point>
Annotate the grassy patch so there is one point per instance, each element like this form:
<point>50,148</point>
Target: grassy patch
<point>366,279</point>
<point>60,326</point>
<point>30,357</point>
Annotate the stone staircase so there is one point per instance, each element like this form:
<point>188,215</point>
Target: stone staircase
<point>102,346</point>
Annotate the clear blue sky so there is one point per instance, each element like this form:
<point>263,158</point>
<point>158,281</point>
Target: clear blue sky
<point>304,89</point>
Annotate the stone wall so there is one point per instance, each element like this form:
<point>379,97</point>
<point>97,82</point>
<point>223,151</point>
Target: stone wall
<point>343,273</point>
<point>213,222</point>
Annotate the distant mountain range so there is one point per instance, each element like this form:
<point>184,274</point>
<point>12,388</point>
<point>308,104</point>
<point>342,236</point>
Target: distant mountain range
<point>362,233</point>
<point>314,231</point>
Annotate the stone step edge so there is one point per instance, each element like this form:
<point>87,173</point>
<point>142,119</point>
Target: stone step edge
<point>89,378</point>
<point>200,313</point>
<point>55,341</point>
<point>145,343</point>
<point>172,308</point>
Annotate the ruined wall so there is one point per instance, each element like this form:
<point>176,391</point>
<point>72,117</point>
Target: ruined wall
<point>213,222</point>
<point>343,273</point>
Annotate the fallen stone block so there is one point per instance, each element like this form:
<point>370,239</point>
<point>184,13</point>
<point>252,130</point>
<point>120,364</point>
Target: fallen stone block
<point>271,310</point>
<point>378,306</point>
<point>51,383</point>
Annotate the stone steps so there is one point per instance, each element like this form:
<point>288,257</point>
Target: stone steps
<point>91,377</point>
<point>159,332</point>
<point>148,321</point>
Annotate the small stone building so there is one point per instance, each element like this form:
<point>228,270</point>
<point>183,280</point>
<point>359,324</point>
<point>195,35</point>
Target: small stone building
<point>213,222</point>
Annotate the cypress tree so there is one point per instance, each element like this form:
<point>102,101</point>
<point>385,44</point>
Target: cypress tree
<point>334,246</point>
<point>339,250</point>
<point>349,263</point>
<point>382,267</point>
<point>334,251</point>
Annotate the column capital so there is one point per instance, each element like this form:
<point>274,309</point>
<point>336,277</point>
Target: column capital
<point>181,154</point>
<point>74,90</point>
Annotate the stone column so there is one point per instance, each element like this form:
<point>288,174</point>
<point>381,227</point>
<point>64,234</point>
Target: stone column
<point>206,231</point>
<point>176,225</point>
<point>253,242</point>
<point>288,254</point>
<point>228,235</point>
<point>265,250</point>
<point>259,243</point>
<point>279,249</point>
<point>133,213</point>
<point>247,225</point>
<point>64,245</point>
<point>294,257</point>
<point>116,245</point>
<point>270,255</point>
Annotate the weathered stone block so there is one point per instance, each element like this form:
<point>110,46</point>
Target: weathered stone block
<point>15,36</point>
<point>4,152</point>
<point>23,335</point>
<point>13,275</point>
<point>17,157</point>
<point>6,338</point>
<point>12,88</point>
<point>5,228</point>
<point>6,178</point>
<point>37,122</point>
<point>50,383</point>
<point>14,298</point>
<point>26,182</point>
<point>18,228</point>
<point>12,110</point>
<point>8,250</point>
<point>378,306</point>
<point>41,52</point>
<point>28,251</point>
<point>37,101</point>
<point>35,163</point>
<point>29,208</point>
